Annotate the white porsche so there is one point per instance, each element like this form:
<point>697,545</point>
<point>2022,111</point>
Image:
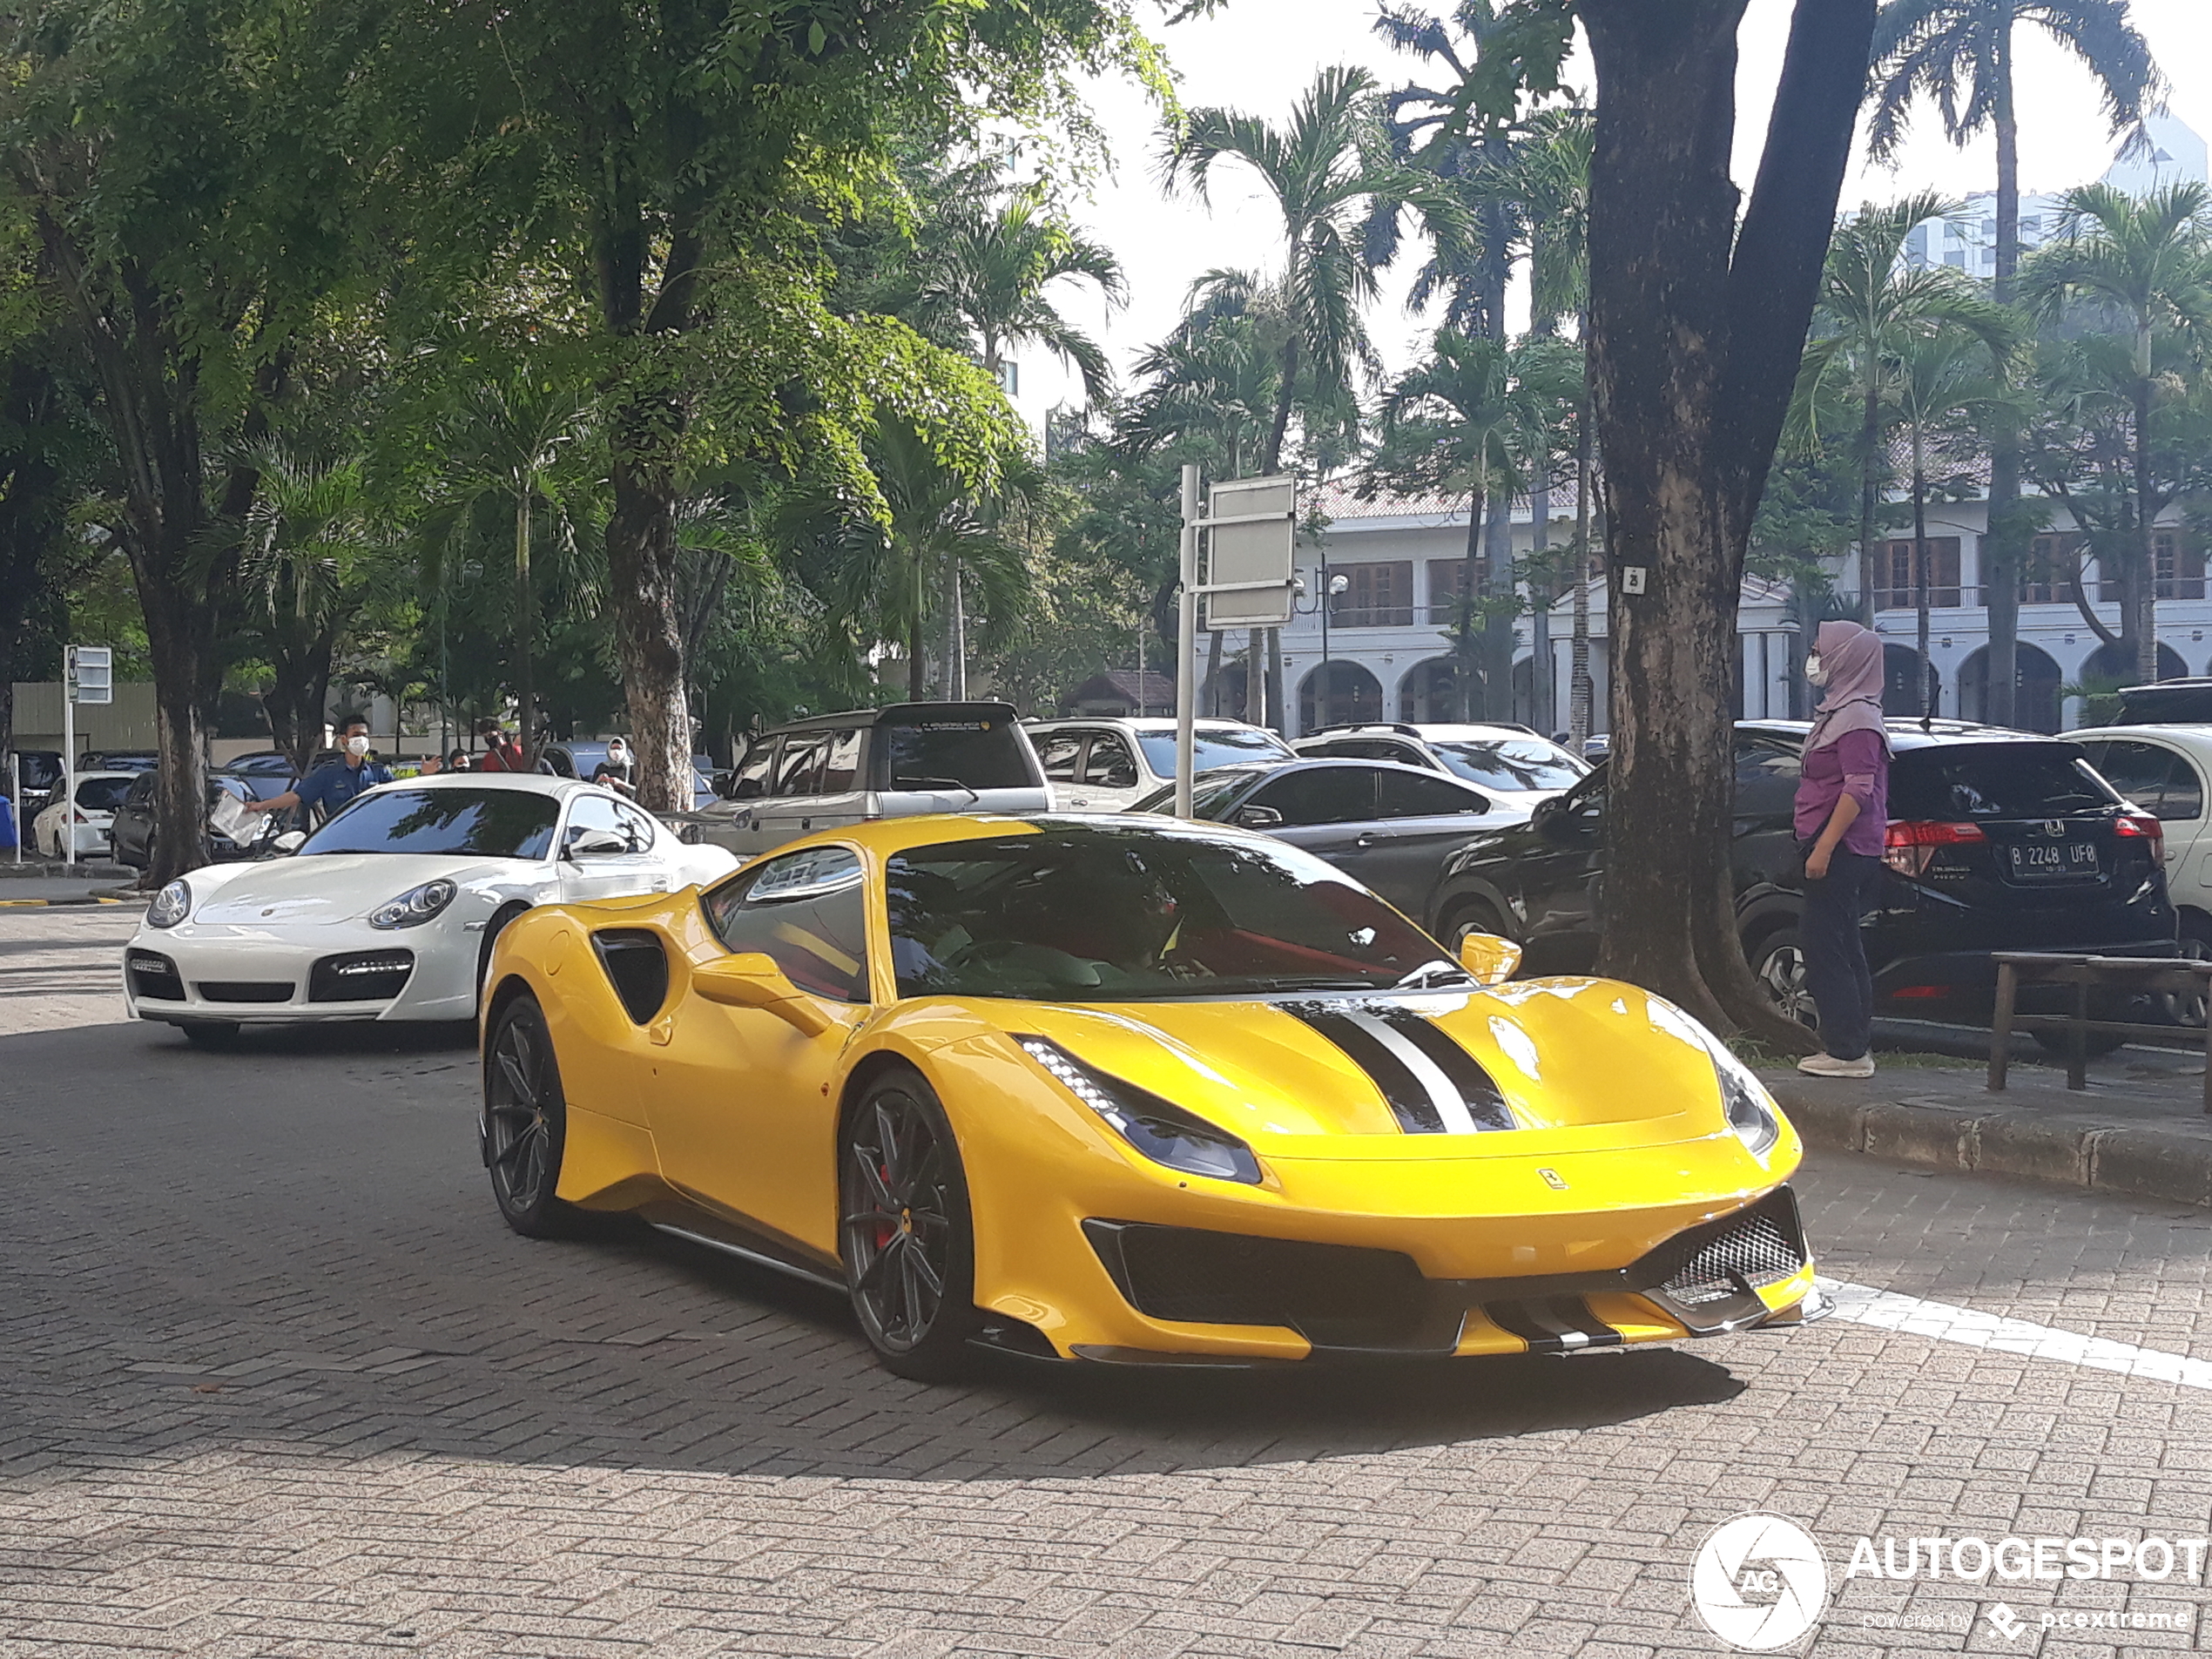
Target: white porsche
<point>388,912</point>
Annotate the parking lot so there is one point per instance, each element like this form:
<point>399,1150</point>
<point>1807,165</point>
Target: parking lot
<point>278,1382</point>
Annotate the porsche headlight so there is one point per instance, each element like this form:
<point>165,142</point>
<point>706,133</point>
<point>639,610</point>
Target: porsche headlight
<point>171,906</point>
<point>1161,1130</point>
<point>416,905</point>
<point>1751,1113</point>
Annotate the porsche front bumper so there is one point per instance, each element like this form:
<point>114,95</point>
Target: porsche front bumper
<point>229,972</point>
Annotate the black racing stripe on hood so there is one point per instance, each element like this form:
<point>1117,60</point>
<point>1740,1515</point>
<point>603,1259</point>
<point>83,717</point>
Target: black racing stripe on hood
<point>1485,1102</point>
<point>1409,1103</point>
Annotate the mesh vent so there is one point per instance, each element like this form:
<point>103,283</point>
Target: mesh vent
<point>371,976</point>
<point>1757,1248</point>
<point>154,975</point>
<point>1330,1293</point>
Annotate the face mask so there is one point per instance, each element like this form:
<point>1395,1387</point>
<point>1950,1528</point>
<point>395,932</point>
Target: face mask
<point>618,756</point>
<point>357,745</point>
<point>1816,671</point>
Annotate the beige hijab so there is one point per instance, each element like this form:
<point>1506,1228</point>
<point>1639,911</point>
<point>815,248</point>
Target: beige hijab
<point>1853,702</point>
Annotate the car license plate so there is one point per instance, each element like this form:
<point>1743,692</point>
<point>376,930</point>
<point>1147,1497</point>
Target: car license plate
<point>2057,862</point>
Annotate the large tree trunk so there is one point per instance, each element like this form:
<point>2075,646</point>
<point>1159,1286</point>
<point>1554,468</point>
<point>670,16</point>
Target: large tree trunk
<point>2006,538</point>
<point>1579,688</point>
<point>1694,354</point>
<point>641,558</point>
<point>33,514</point>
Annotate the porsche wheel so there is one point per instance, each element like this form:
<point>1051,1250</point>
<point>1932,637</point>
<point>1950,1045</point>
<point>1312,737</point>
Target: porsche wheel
<point>908,1247</point>
<point>525,1123</point>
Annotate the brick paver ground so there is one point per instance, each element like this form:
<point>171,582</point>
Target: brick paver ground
<point>275,1381</point>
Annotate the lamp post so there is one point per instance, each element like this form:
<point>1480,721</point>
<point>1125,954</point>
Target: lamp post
<point>1332,587</point>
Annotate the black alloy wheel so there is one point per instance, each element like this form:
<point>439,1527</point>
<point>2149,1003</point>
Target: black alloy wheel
<point>525,1123</point>
<point>1778,964</point>
<point>2195,946</point>
<point>1468,921</point>
<point>907,1244</point>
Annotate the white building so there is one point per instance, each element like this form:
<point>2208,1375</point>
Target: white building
<point>1390,648</point>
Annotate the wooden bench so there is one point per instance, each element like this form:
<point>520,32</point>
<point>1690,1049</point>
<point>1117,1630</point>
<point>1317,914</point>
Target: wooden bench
<point>2173,974</point>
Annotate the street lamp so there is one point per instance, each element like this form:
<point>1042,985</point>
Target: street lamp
<point>1332,587</point>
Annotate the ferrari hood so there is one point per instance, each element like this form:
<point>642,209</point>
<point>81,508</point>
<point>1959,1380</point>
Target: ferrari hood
<point>1395,1070</point>
<point>336,886</point>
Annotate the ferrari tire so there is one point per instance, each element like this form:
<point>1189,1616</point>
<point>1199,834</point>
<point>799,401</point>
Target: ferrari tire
<point>209,1033</point>
<point>904,1232</point>
<point>525,1124</point>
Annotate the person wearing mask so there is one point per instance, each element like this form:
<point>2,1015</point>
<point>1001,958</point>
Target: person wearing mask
<point>614,770</point>
<point>457,761</point>
<point>338,783</point>
<point>501,751</point>
<point>1842,822</point>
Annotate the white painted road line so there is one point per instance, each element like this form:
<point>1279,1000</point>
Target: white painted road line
<point>1947,1323</point>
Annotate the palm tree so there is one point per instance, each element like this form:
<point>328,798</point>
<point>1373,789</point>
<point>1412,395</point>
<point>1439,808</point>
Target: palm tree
<point>1944,380</point>
<point>989,266</point>
<point>1468,419</point>
<point>2149,264</point>
<point>503,439</point>
<point>309,563</point>
<point>1870,305</point>
<point>1961,53</point>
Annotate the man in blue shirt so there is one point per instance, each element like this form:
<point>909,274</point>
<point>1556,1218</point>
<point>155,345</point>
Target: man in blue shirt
<point>333,786</point>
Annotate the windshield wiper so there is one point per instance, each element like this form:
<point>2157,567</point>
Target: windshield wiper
<point>1426,975</point>
<point>935,783</point>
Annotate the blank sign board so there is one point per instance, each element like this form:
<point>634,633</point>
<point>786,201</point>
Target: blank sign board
<point>1254,528</point>
<point>91,674</point>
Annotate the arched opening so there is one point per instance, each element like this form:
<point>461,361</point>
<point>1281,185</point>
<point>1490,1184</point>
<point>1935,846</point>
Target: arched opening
<point>1223,697</point>
<point>2115,665</point>
<point>1353,696</point>
<point>1429,694</point>
<point>1901,697</point>
<point>2035,688</point>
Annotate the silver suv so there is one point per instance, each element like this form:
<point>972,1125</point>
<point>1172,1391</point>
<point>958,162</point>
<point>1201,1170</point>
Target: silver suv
<point>1509,763</point>
<point>832,769</point>
<point>1108,766</point>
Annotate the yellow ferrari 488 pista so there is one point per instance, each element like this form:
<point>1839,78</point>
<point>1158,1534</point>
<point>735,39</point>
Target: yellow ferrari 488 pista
<point>1128,1090</point>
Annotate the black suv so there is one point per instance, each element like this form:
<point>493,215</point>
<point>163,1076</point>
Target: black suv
<point>1998,841</point>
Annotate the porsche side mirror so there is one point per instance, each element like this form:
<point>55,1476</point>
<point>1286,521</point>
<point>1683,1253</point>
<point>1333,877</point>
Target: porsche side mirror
<point>1259,818</point>
<point>595,844</point>
<point>753,981</point>
<point>1492,961</point>
<point>290,841</point>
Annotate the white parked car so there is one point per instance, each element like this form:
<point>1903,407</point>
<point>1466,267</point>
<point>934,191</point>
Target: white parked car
<point>98,793</point>
<point>2164,770</point>
<point>388,912</point>
<point>1108,766</point>
<point>1510,764</point>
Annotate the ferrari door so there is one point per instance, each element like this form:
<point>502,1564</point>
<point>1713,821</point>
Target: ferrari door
<point>739,1099</point>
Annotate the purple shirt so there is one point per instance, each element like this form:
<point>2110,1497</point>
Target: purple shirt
<point>1857,763</point>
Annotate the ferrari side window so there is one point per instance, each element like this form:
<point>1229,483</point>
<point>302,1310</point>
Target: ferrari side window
<point>806,912</point>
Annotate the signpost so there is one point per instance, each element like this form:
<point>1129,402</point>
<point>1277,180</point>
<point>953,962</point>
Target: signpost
<point>88,676</point>
<point>1254,525</point>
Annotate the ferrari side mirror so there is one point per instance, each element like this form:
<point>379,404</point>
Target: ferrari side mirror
<point>753,981</point>
<point>1492,961</point>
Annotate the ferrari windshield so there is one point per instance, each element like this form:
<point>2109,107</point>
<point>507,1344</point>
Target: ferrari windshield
<point>1109,913</point>
<point>480,823</point>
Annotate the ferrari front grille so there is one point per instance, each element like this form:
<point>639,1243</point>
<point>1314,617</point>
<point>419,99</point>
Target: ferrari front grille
<point>367,976</point>
<point>1763,1246</point>
<point>154,975</point>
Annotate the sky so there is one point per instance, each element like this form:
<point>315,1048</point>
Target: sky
<point>1257,56</point>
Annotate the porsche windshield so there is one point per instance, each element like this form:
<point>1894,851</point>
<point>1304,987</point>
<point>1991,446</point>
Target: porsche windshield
<point>1099,913</point>
<point>480,823</point>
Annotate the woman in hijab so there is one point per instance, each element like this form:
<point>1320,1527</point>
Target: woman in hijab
<point>1842,821</point>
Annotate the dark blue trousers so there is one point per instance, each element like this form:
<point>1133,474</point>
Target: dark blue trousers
<point>1836,970</point>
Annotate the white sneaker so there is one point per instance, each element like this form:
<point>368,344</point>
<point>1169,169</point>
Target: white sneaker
<point>1826,1065</point>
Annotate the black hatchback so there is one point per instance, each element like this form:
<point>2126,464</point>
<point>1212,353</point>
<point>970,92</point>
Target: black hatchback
<point>1997,841</point>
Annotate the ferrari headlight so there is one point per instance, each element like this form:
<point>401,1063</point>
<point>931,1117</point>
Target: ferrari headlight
<point>1751,1112</point>
<point>1161,1130</point>
<point>171,906</point>
<point>416,905</point>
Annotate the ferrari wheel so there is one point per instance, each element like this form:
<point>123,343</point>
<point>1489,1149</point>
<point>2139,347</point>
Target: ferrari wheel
<point>525,1123</point>
<point>909,1250</point>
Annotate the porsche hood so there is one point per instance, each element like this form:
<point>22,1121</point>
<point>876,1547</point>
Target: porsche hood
<point>336,886</point>
<point>1601,1061</point>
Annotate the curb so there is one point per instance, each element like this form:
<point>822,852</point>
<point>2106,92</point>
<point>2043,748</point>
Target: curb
<point>2060,1150</point>
<point>40,870</point>
<point>77,902</point>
